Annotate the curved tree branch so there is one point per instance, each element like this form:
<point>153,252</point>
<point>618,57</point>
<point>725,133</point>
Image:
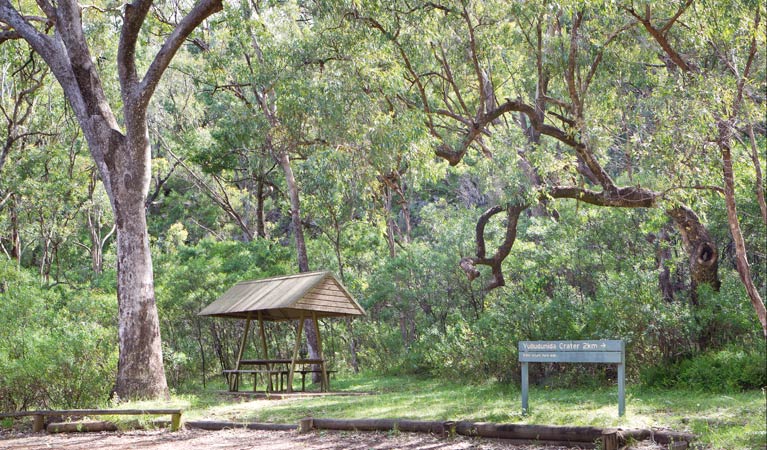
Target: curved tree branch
<point>495,262</point>
<point>201,11</point>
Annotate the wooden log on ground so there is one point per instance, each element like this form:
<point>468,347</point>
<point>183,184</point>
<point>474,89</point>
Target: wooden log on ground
<point>38,417</point>
<point>672,437</point>
<point>212,425</point>
<point>76,427</point>
<point>664,437</point>
<point>416,426</point>
<point>105,412</point>
<point>529,432</point>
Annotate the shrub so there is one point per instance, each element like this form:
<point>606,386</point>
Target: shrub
<point>725,370</point>
<point>56,347</point>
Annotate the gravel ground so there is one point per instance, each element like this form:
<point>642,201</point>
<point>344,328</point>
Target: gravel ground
<point>260,440</point>
<point>252,440</point>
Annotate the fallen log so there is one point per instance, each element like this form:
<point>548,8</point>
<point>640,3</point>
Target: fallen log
<point>213,425</point>
<point>38,423</point>
<point>77,427</point>
<point>582,437</point>
<point>529,432</point>
<point>664,437</point>
<point>416,426</point>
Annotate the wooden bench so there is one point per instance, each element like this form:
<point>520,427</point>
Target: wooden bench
<point>38,417</point>
<point>281,373</point>
<point>303,373</point>
<point>233,375</point>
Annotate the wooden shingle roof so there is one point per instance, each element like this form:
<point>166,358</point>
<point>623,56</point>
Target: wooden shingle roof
<point>286,298</point>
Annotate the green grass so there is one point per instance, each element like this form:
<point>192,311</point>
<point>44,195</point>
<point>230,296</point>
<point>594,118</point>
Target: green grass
<point>732,421</point>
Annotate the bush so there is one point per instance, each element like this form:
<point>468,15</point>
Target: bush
<point>57,349</point>
<point>726,370</point>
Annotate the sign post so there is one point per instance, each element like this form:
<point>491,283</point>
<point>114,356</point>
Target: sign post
<point>590,352</point>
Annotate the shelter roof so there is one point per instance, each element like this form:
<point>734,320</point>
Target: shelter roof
<point>286,298</point>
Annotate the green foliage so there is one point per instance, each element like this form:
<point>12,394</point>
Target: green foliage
<point>339,97</point>
<point>57,345</point>
<point>732,369</point>
<point>188,278</point>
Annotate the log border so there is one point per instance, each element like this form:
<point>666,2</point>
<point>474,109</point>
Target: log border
<point>578,437</point>
<point>38,417</point>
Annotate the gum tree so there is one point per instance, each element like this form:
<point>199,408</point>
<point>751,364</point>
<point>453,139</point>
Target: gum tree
<point>601,104</point>
<point>120,147</point>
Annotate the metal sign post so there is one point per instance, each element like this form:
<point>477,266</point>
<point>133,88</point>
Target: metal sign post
<point>590,352</point>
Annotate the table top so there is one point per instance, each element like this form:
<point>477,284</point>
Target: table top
<point>263,362</point>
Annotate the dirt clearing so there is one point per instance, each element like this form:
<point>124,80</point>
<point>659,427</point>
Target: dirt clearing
<point>254,440</point>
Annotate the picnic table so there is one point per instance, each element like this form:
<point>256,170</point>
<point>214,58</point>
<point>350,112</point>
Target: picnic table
<point>278,370</point>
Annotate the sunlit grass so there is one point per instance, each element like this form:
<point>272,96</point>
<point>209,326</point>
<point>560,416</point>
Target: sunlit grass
<point>733,421</point>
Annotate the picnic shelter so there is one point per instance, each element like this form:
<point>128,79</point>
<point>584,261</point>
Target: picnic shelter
<point>311,295</point>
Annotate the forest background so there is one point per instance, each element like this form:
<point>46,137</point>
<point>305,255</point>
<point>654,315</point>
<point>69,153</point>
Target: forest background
<point>607,156</point>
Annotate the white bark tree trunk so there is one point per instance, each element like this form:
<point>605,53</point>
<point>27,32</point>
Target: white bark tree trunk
<point>123,160</point>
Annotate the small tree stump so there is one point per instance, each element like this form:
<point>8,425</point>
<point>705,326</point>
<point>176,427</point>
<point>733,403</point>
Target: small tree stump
<point>38,423</point>
<point>305,425</point>
<point>610,439</point>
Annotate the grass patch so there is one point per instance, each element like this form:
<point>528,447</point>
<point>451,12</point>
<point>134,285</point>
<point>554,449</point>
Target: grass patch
<point>733,421</point>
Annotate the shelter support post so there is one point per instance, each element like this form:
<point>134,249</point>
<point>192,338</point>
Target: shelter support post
<point>325,385</point>
<point>234,379</point>
<point>295,352</point>
<point>264,348</point>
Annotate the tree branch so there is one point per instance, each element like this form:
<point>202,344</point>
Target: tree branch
<point>626,197</point>
<point>200,12</point>
<point>759,188</point>
<point>468,264</point>
<point>572,88</point>
<point>598,58</point>
<point>660,37</point>
<point>135,14</point>
<point>19,27</point>
<point>679,12</point>
<point>9,35</point>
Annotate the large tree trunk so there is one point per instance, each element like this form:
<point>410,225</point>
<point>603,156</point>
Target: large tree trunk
<point>391,225</point>
<point>295,212</point>
<point>260,222</point>
<point>662,256</point>
<point>140,371</point>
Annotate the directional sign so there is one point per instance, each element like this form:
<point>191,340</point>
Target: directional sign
<point>602,351</point>
<point>606,352</point>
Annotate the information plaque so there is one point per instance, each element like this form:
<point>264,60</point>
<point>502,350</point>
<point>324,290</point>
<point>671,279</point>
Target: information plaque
<point>589,352</point>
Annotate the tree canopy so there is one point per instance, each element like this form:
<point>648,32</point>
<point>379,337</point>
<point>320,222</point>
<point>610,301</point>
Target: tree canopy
<point>477,172</point>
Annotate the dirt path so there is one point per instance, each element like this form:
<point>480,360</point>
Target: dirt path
<point>251,440</point>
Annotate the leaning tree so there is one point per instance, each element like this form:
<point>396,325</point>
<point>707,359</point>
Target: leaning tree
<point>119,144</point>
<point>582,94</point>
